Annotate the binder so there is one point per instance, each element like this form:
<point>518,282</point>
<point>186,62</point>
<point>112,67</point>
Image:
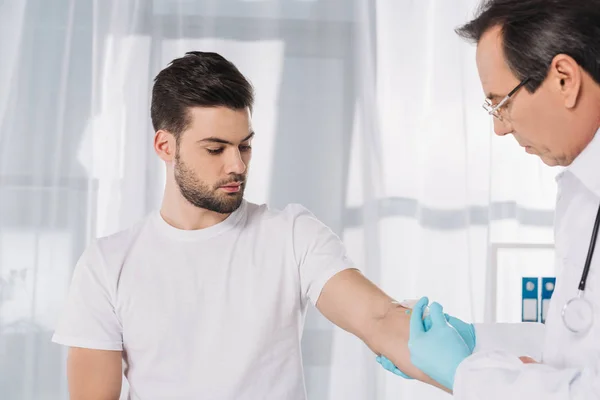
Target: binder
<point>529,309</point>
<point>548,284</point>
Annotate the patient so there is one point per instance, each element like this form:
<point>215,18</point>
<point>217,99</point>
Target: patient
<point>206,297</point>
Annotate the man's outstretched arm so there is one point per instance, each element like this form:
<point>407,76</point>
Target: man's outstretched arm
<point>358,306</point>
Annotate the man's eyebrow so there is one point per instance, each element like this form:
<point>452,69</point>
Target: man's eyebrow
<point>223,141</point>
<point>494,96</point>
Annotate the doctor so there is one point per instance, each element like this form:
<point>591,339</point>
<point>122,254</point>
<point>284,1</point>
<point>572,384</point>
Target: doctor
<point>539,65</point>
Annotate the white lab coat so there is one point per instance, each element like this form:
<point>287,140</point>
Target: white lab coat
<point>570,364</point>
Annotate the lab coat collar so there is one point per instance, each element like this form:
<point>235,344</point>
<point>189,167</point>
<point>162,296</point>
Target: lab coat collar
<point>586,167</point>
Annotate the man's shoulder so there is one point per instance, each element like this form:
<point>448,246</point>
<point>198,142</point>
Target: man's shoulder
<point>118,243</point>
<point>286,214</point>
<point>292,218</point>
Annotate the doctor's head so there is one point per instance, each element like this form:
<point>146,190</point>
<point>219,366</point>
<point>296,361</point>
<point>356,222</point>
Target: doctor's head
<point>201,113</point>
<point>545,54</point>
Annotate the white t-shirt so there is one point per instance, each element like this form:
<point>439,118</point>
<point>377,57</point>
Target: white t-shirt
<point>215,313</point>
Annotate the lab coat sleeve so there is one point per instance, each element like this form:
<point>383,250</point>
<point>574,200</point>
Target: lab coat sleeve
<point>496,375</point>
<point>524,339</point>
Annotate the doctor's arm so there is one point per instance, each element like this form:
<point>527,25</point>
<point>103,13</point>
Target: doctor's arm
<point>355,304</point>
<point>500,375</point>
<point>525,338</point>
<point>441,354</point>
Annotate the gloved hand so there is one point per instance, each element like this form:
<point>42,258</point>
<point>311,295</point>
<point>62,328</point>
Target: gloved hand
<point>388,365</point>
<point>466,331</point>
<point>439,351</point>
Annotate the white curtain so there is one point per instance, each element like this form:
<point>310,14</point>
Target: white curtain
<point>368,112</point>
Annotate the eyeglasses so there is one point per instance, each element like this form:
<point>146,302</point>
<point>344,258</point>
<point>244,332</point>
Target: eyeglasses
<point>496,109</point>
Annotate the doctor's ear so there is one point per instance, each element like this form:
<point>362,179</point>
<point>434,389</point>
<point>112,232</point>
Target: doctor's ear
<point>565,76</point>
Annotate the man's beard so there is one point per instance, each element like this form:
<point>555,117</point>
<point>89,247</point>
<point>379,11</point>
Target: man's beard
<point>200,195</point>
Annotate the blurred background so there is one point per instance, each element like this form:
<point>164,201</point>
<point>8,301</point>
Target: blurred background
<point>368,112</point>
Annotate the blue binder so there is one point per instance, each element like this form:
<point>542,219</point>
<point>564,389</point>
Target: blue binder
<point>548,284</point>
<point>529,305</point>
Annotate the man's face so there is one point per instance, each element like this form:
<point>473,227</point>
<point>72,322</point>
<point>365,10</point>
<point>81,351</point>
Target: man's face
<point>538,121</point>
<point>211,162</point>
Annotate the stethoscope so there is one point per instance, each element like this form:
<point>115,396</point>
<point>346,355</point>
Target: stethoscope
<point>578,313</point>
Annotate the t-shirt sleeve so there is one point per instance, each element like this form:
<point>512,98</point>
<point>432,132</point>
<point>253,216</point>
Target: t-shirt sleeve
<point>89,319</point>
<point>319,253</point>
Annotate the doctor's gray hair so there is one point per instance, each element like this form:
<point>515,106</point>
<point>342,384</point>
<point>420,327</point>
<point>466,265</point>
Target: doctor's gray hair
<point>535,31</point>
<point>198,79</point>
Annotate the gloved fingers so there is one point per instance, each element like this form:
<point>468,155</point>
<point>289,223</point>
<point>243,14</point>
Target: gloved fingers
<point>389,366</point>
<point>455,322</point>
<point>386,363</point>
<point>452,320</point>
<point>437,314</point>
<point>396,371</point>
<point>416,318</point>
<point>427,323</point>
<point>465,330</point>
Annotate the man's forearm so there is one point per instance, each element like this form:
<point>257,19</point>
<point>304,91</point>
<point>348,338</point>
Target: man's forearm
<point>389,335</point>
<point>358,306</point>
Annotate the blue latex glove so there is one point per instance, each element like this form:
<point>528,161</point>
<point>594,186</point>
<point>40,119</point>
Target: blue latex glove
<point>388,365</point>
<point>466,331</point>
<point>439,351</point>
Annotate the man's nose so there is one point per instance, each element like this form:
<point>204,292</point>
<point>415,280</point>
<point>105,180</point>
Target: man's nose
<point>502,127</point>
<point>235,163</point>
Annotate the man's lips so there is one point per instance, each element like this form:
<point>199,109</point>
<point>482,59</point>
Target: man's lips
<point>232,187</point>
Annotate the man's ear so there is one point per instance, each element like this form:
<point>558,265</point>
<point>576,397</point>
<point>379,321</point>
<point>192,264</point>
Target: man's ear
<point>566,77</point>
<point>165,145</point>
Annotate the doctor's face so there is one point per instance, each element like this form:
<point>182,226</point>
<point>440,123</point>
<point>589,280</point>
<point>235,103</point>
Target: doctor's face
<point>212,158</point>
<point>539,120</point>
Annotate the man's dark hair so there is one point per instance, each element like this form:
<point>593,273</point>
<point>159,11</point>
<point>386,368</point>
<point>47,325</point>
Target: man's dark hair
<point>197,79</point>
<point>535,31</point>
